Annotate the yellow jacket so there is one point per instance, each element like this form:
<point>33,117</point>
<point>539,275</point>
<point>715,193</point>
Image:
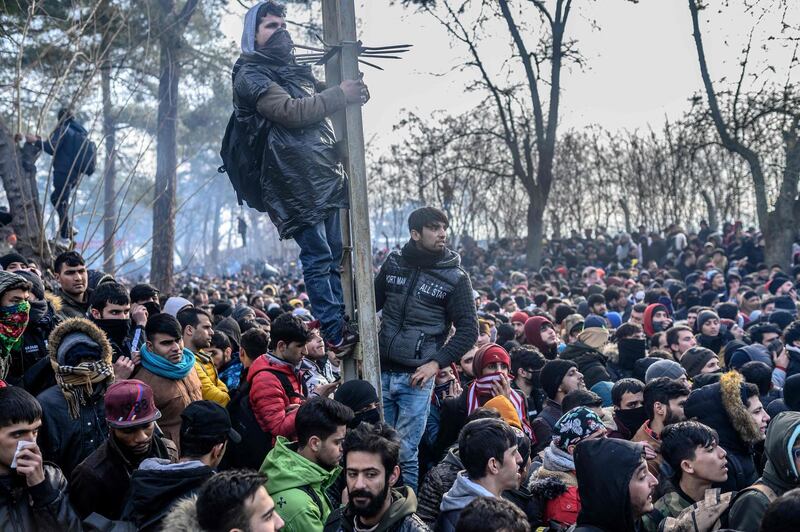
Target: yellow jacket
<point>212,387</point>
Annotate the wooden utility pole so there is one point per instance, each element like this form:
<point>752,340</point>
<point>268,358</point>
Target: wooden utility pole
<point>339,28</point>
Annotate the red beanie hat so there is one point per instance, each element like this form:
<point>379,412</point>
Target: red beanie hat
<point>519,317</point>
<point>489,354</point>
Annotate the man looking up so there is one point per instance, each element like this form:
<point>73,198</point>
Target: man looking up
<point>423,292</point>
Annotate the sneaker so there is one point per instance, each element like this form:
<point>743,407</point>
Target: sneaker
<point>62,242</point>
<point>346,344</point>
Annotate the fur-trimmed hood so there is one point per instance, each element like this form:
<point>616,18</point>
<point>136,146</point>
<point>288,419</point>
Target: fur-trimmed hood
<point>78,325</point>
<point>55,301</point>
<point>611,352</point>
<point>722,406</point>
<point>183,516</point>
<point>549,484</point>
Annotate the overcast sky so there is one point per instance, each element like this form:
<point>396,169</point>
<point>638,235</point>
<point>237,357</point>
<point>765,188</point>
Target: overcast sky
<point>642,64</point>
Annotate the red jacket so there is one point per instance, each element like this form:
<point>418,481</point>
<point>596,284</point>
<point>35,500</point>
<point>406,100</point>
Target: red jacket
<point>269,399</point>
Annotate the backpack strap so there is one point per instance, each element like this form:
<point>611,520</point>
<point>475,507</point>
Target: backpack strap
<point>762,488</point>
<point>287,386</point>
<point>308,490</point>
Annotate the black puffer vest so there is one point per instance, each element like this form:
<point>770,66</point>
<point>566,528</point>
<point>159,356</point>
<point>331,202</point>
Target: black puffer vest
<point>414,323</point>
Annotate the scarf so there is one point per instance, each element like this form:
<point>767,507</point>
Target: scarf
<point>116,330</point>
<point>77,382</point>
<point>419,257</point>
<point>554,459</point>
<point>164,368</point>
<point>480,391</point>
<point>13,320</point>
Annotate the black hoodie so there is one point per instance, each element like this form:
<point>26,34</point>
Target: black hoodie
<point>604,468</point>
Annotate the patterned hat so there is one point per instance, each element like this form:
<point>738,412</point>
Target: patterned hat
<point>574,426</point>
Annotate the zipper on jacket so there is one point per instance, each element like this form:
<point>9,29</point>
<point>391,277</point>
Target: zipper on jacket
<point>403,310</point>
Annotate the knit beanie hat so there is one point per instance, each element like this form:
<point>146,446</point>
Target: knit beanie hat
<point>593,320</point>
<point>12,281</point>
<point>553,373</point>
<point>728,311</point>
<point>641,366</point>
<point>755,352</point>
<point>786,303</point>
<point>776,282</point>
<point>505,407</point>
<point>781,318</point>
<point>791,392</point>
<point>574,426</point>
<point>175,304</point>
<point>230,328</point>
<point>10,258</point>
<point>489,354</point>
<point>561,312</point>
<point>37,286</point>
<point>614,318</point>
<point>703,317</point>
<point>357,394</point>
<point>695,358</point>
<point>519,317</point>
<point>76,346</point>
<point>664,368</point>
<point>603,389</point>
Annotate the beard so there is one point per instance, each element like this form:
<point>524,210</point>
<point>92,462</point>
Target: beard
<point>375,504</point>
<point>671,418</point>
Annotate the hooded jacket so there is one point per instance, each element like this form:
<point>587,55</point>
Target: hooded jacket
<point>647,318</point>
<point>211,386</point>
<point>437,482</point>
<point>183,516</point>
<point>590,362</point>
<point>556,493</point>
<point>269,399</point>
<point>291,481</point>
<point>604,468</point>
<point>780,473</point>
<point>279,150</point>
<point>157,486</point>
<point>66,145</point>
<point>100,483</point>
<point>71,307</point>
<point>30,367</point>
<point>400,516</point>
<point>463,492</point>
<point>421,295</point>
<point>62,439</point>
<point>721,406</point>
<point>42,507</point>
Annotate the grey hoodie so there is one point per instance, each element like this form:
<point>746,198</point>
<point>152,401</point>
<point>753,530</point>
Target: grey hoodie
<point>249,31</point>
<point>463,492</point>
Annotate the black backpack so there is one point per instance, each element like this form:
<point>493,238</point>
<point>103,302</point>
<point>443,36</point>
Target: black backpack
<point>87,153</point>
<point>250,452</point>
<point>241,160</point>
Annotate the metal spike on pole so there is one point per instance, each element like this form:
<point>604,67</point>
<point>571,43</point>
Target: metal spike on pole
<point>339,26</point>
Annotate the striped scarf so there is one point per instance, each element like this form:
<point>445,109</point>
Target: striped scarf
<point>77,382</point>
<point>480,391</point>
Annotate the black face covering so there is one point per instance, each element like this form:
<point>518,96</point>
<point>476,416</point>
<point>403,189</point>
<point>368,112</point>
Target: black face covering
<point>633,418</point>
<point>371,416</point>
<point>278,48</point>
<point>631,350</point>
<point>38,314</point>
<point>152,307</point>
<point>116,330</point>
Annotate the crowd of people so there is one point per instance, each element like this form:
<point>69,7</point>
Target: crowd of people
<point>645,381</point>
<point>578,396</point>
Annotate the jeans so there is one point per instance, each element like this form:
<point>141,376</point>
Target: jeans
<point>60,198</point>
<point>406,408</point>
<point>321,256</point>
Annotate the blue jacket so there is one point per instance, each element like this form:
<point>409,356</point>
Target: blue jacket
<point>66,143</point>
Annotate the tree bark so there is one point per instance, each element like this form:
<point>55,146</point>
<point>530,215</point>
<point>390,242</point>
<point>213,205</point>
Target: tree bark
<point>162,263</point>
<point>18,173</point>
<point>533,247</point>
<point>110,168</point>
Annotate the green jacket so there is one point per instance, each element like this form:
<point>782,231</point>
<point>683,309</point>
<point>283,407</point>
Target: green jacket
<point>780,474</point>
<point>290,481</point>
<point>669,505</point>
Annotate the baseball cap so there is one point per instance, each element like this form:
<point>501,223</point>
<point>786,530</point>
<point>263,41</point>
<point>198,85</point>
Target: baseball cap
<point>207,419</point>
<point>129,403</point>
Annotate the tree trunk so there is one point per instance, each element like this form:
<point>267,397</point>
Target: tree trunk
<point>110,169</point>
<point>533,247</point>
<point>18,172</point>
<point>171,27</point>
<point>713,217</point>
<point>779,237</point>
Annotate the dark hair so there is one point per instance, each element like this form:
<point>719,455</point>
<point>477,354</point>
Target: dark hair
<point>612,293</point>
<point>270,8</point>
<point>70,258</point>
<point>195,446</point>
<point>111,292</point>
<point>321,417</point>
<point>680,441</point>
<point>222,499</point>
<point>255,343</point>
<point>18,406</point>
<point>757,333</point>
<point>503,515</point>
<point>526,357</point>
<point>220,340</point>
<point>190,316</point>
<point>380,439</point>
<point>481,440</point>
<point>162,324</point>
<point>791,333</point>
<point>287,328</point>
<point>662,390</point>
<point>425,217</point>
<point>783,514</point>
<point>673,332</point>
<point>758,373</point>
<point>594,299</point>
<point>623,386</point>
<point>483,413</point>
<point>639,307</point>
<point>626,330</point>
<point>580,398</point>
